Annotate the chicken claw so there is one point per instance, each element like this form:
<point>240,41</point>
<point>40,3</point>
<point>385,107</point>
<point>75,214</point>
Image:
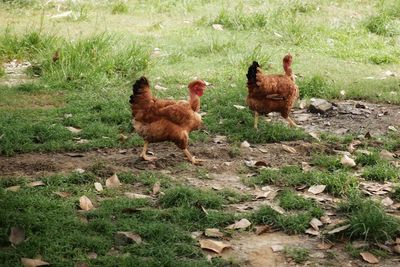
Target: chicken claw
<point>143,155</point>
<point>291,122</point>
<point>191,158</point>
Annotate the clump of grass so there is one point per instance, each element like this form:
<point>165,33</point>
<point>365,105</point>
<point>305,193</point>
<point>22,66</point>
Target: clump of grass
<point>289,200</point>
<point>381,172</point>
<point>338,183</point>
<point>328,162</point>
<point>239,20</point>
<point>232,196</point>
<point>101,169</point>
<point>383,59</point>
<point>396,193</point>
<point>315,86</point>
<point>120,7</point>
<point>368,159</point>
<point>191,197</point>
<point>386,22</point>
<point>299,255</point>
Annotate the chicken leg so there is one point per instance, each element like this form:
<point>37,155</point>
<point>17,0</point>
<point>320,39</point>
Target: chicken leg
<point>192,158</point>
<point>143,155</point>
<point>291,122</point>
<point>256,115</point>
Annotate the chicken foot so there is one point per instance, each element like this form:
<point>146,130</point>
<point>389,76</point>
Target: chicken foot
<point>143,155</point>
<point>291,122</point>
<point>191,158</point>
<point>256,115</point>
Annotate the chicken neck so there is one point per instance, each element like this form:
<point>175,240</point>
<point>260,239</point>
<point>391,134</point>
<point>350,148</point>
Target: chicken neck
<point>194,101</point>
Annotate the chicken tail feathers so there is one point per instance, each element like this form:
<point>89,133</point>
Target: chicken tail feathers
<point>287,66</point>
<point>138,88</point>
<point>252,73</point>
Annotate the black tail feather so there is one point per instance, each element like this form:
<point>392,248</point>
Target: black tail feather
<point>251,73</point>
<point>138,87</point>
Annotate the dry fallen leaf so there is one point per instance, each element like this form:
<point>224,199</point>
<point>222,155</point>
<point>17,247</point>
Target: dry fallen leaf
<point>156,188</point>
<point>73,129</point>
<point>369,257</point>
<point>196,235</point>
<point>347,161</point>
<point>277,248</point>
<point>316,189</point>
<point>384,154</point>
<point>239,107</point>
<point>242,224</point>
<point>387,201</point>
<point>306,167</point>
<point>135,196</point>
<point>219,139</point>
<point>36,183</point>
<point>124,238</point>
<point>315,136</point>
<point>216,246</point>
<point>33,262</point>
<point>98,186</point>
<point>113,181</point>
<point>261,229</point>
<point>63,194</point>
<point>324,246</point>
<point>245,144</point>
<point>14,188</point>
<point>260,163</point>
<point>312,232</point>
<point>85,203</point>
<point>352,147</point>
<point>339,229</point>
<point>218,27</point>
<point>213,232</point>
<point>315,223</point>
<point>17,235</point>
<point>396,249</point>
<point>289,149</point>
<point>92,255</point>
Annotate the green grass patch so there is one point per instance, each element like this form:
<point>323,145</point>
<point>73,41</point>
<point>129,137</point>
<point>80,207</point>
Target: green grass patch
<point>289,200</point>
<point>299,255</point>
<point>328,162</point>
<point>119,7</point>
<point>381,172</point>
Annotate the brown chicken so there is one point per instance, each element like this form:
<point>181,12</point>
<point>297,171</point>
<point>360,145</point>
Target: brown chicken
<point>271,93</point>
<point>166,120</point>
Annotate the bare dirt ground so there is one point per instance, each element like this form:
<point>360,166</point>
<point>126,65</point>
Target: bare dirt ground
<point>221,170</point>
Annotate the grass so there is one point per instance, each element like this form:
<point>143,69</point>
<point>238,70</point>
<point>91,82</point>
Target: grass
<point>338,183</point>
<point>56,232</point>
<point>381,172</point>
<point>299,255</point>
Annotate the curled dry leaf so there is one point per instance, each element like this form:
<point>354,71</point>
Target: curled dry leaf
<point>216,246</point>
<point>324,246</point>
<point>316,189</point>
<point>220,139</point>
<point>218,27</point>
<point>85,203</point>
<point>352,147</point>
<point>196,235</point>
<point>33,262</point>
<point>289,149</point>
<point>156,188</point>
<point>14,188</point>
<point>63,194</point>
<point>369,257</point>
<point>242,224</point>
<point>339,229</point>
<point>239,107</point>
<point>113,181</point>
<point>135,196</point>
<point>312,232</point>
<point>123,238</point>
<point>387,201</point>
<point>98,186</point>
<point>384,154</point>
<point>347,161</point>
<point>315,223</point>
<point>396,249</point>
<point>392,128</point>
<point>213,232</point>
<point>277,248</point>
<point>261,229</point>
<point>36,183</point>
<point>73,129</point>
<point>245,144</point>
<point>315,136</point>
<point>17,235</point>
<point>305,166</point>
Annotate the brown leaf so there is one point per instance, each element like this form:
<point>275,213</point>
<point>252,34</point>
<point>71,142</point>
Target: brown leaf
<point>312,232</point>
<point>324,246</point>
<point>368,135</point>
<point>245,144</point>
<point>98,186</point>
<point>63,194</point>
<point>315,136</point>
<point>36,183</point>
<point>85,203</point>
<point>261,163</point>
<point>113,181</point>
<point>73,129</point>
<point>347,161</point>
<point>216,246</point>
<point>219,139</point>
<point>339,229</point>
<point>14,188</point>
<point>33,262</point>
<point>387,201</point>
<point>242,224</point>
<point>386,155</point>
<point>196,235</point>
<point>325,219</point>
<point>277,248</point>
<point>316,189</point>
<point>213,232</point>
<point>135,196</point>
<point>315,223</point>
<point>261,229</point>
<point>306,167</point>
<point>369,257</point>
<point>17,235</point>
<point>289,149</point>
<point>352,147</point>
<point>123,238</point>
<point>156,188</point>
<point>396,249</point>
<point>92,255</point>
